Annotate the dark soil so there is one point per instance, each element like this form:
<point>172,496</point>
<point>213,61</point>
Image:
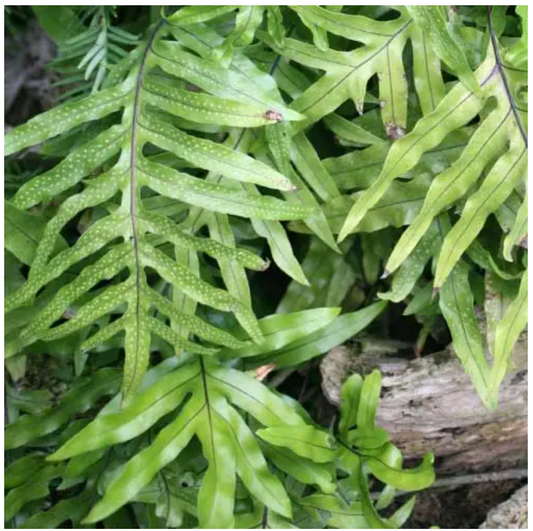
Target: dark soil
<point>461,508</point>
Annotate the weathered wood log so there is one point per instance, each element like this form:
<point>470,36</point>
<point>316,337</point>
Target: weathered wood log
<point>429,404</point>
<point>511,514</point>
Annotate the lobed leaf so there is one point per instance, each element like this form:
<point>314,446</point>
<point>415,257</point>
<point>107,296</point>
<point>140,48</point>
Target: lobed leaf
<point>432,22</point>
<point>27,428</point>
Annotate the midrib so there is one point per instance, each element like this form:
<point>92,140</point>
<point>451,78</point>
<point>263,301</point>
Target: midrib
<point>133,188</point>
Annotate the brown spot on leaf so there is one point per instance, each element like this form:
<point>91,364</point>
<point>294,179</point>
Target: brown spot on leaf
<point>274,116</point>
<point>394,131</point>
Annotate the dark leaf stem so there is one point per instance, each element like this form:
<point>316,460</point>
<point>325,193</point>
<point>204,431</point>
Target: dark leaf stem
<point>501,70</point>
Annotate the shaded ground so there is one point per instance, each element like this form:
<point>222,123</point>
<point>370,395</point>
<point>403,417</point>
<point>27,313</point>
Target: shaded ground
<point>27,84</point>
<point>462,508</point>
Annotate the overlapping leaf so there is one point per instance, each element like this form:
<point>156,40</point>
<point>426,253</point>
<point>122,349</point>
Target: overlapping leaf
<point>502,126</point>
<point>191,132</point>
<point>362,450</point>
<point>347,73</point>
<point>178,400</point>
<point>366,450</point>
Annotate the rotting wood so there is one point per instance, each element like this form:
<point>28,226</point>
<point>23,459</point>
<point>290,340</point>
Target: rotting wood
<point>511,514</point>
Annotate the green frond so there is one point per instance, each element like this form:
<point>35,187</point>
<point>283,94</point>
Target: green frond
<point>137,98</point>
<point>227,442</point>
<point>376,155</point>
<point>90,49</point>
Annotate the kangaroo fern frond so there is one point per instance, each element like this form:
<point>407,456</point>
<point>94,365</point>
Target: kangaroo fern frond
<point>129,171</point>
<point>493,165</point>
<point>347,73</point>
<point>240,423</point>
<point>209,400</point>
<point>376,155</point>
<point>504,123</point>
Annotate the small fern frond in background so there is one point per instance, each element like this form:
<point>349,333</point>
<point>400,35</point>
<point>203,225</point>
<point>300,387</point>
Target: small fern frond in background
<point>85,58</point>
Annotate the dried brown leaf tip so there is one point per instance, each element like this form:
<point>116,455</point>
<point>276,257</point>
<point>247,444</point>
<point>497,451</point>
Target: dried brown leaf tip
<point>385,274</point>
<point>262,372</point>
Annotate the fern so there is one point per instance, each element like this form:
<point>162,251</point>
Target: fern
<point>347,73</point>
<point>502,125</point>
<point>140,95</point>
<point>441,144</point>
<point>85,58</point>
<point>500,82</point>
<point>362,451</point>
<point>206,395</point>
<point>156,474</point>
<point>373,124</point>
<point>128,237</point>
<point>227,442</point>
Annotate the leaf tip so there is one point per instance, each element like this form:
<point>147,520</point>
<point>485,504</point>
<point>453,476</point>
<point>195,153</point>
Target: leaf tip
<point>394,131</point>
<point>52,458</point>
<point>341,237</point>
<point>335,309</point>
<point>89,519</point>
<point>263,371</point>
